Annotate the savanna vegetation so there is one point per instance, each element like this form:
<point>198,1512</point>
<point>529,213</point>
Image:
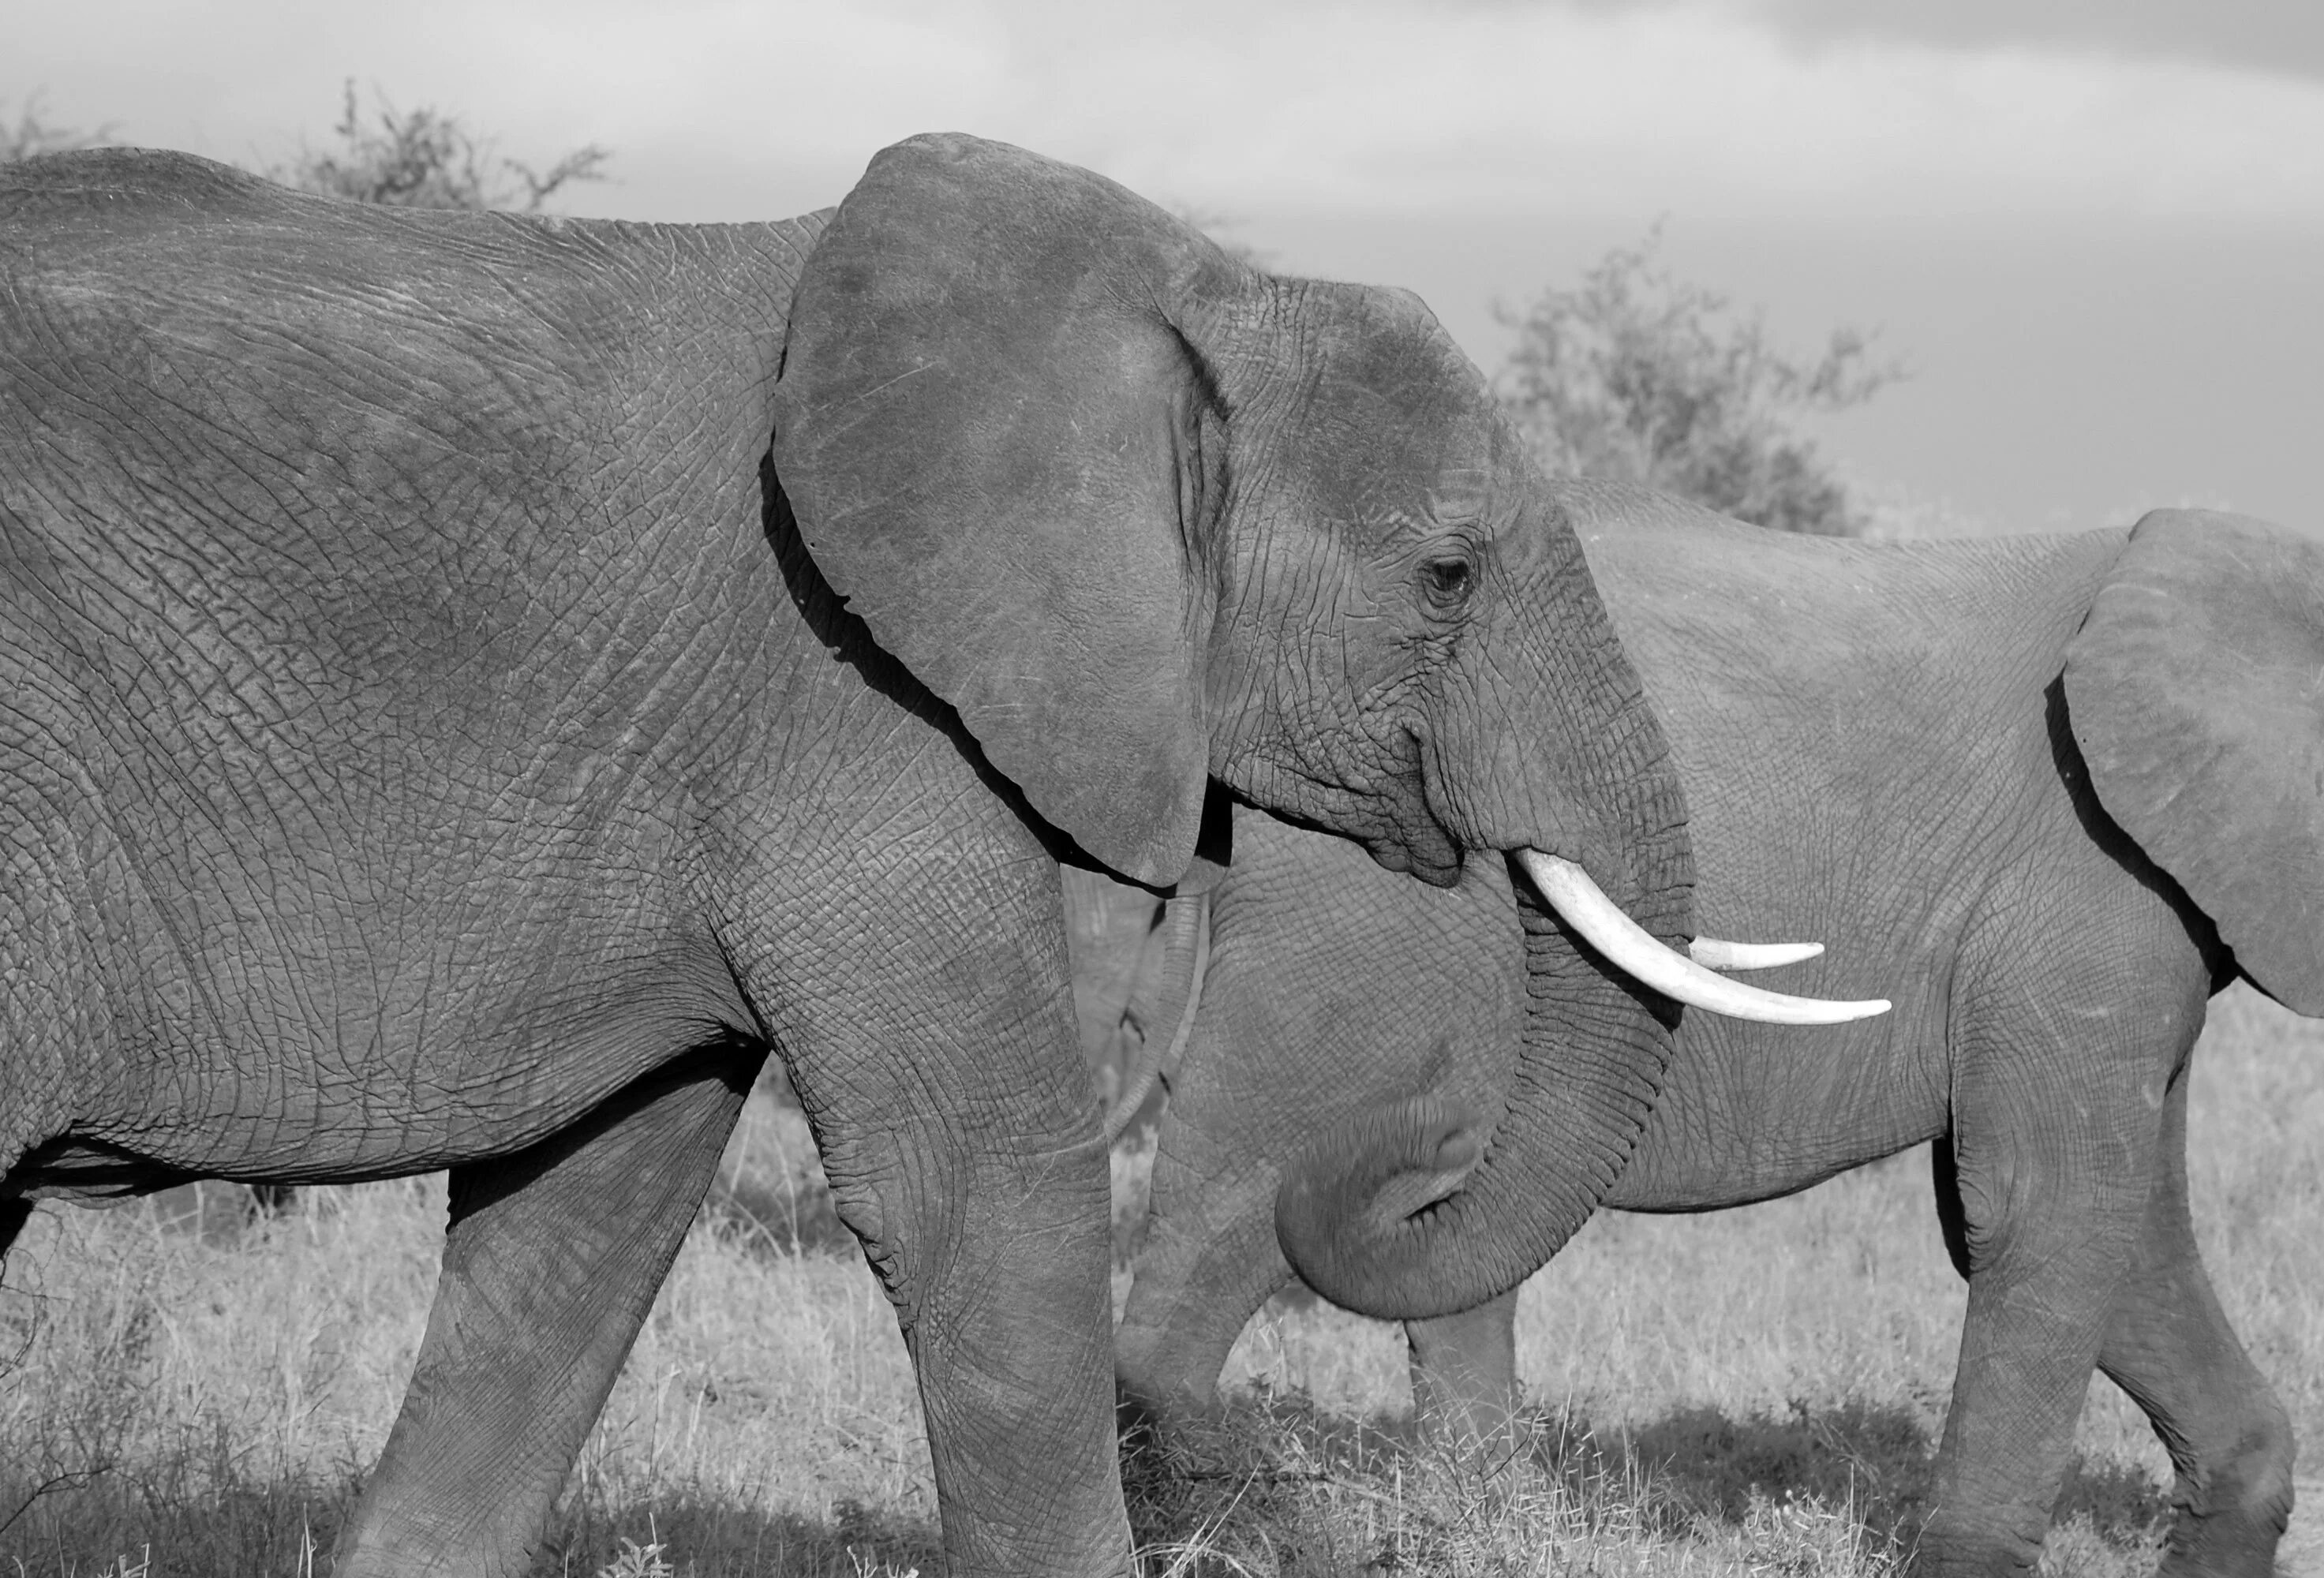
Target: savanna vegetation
<point>425,158</point>
<point>418,157</point>
<point>1640,376</point>
<point>31,132</point>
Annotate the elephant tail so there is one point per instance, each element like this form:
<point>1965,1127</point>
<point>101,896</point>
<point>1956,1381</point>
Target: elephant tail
<point>1186,959</point>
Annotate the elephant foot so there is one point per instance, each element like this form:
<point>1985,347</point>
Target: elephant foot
<point>2231,1516</point>
<point>1184,1465</point>
<point>1992,1545</point>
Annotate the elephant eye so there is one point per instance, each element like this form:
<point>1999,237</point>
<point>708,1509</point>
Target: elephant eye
<point>1446,581</point>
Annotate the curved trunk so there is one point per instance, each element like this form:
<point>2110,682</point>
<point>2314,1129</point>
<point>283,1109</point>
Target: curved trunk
<point>1404,1212</point>
<point>1392,1214</point>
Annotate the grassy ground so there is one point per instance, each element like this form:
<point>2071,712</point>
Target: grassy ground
<point>182,1393</point>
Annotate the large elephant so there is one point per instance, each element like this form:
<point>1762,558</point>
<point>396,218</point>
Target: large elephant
<point>2051,793</point>
<point>442,732</point>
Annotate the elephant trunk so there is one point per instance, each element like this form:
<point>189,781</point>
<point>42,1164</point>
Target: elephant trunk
<point>1405,1212</point>
<point>1423,1207</point>
<point>1552,758</point>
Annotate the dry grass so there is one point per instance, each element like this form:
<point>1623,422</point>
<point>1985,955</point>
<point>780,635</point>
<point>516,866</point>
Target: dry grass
<point>216,1394</point>
<point>1749,1392</point>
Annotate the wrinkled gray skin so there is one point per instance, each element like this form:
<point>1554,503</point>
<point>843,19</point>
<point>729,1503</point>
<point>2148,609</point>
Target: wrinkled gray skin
<point>1889,749</point>
<point>435,738</point>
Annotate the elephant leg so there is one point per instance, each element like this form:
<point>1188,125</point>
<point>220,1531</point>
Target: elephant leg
<point>551,1261</point>
<point>1210,1260</point>
<point>993,1247</point>
<point>2040,1186</point>
<point>2169,1346</point>
<point>2028,1343</point>
<point>1464,1371</point>
<point>936,1057</point>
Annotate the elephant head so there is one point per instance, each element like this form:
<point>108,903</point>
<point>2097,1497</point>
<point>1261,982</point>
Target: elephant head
<point>1146,517</point>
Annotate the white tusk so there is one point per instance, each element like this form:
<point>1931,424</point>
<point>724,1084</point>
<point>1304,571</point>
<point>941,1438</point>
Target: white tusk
<point>1627,944</point>
<point>1715,954</point>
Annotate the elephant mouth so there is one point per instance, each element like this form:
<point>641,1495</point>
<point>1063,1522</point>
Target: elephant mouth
<point>1420,846</point>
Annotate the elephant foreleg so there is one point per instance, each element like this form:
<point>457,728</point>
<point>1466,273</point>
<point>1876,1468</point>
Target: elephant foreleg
<point>981,1202</point>
<point>1209,1262</point>
<point>1000,1283</point>
<point>551,1261</point>
<point>937,1062</point>
<point>2169,1346</point>
<point>1464,1371</point>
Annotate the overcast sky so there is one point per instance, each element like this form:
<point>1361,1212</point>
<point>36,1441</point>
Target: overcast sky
<point>2094,228</point>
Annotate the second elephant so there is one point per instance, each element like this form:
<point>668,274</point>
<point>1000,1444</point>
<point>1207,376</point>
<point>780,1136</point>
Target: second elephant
<point>2051,793</point>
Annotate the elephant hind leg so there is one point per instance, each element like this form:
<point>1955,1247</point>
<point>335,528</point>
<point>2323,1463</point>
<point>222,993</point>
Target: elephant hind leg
<point>2169,1346</point>
<point>551,1261</point>
<point>2043,1183</point>
<point>2039,1284</point>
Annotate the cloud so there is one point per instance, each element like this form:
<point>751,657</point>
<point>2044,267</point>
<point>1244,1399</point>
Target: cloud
<point>1395,106</point>
<point>2285,37</point>
<point>720,108</point>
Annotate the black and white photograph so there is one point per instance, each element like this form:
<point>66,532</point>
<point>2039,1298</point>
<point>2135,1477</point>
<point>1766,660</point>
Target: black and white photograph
<point>1033,788</point>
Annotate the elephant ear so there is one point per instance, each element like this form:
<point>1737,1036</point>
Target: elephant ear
<point>2195,689</point>
<point>1001,442</point>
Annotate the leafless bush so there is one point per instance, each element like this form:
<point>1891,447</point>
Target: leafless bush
<point>425,158</point>
<point>34,134</point>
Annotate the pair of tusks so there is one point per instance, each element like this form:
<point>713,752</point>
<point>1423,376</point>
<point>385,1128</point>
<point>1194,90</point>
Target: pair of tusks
<point>1629,947</point>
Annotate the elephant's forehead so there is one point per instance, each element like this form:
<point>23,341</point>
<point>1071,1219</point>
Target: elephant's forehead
<point>1359,347</point>
<point>1395,409</point>
<point>1413,480</point>
<point>1458,499</point>
<point>1402,360</point>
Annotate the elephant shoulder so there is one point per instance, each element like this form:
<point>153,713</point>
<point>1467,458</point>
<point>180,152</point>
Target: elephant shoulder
<point>2196,692</point>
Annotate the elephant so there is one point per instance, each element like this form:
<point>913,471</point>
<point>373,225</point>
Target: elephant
<point>478,685</point>
<point>2052,793</point>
